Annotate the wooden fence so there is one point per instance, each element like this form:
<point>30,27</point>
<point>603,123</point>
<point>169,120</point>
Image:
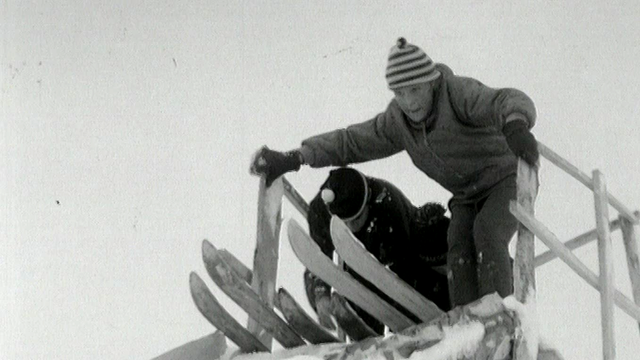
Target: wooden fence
<point>265,264</point>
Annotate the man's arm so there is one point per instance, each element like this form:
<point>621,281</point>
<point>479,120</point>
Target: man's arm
<point>508,110</point>
<point>373,139</point>
<point>369,140</point>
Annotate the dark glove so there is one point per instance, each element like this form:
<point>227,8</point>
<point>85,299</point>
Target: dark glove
<point>274,163</point>
<point>521,141</point>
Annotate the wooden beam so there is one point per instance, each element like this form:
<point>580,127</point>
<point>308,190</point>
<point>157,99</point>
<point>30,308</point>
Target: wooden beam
<point>524,270</point>
<point>550,240</point>
<point>575,243</point>
<point>265,259</point>
<point>295,198</point>
<point>605,260</point>
<point>631,239</point>
<point>584,179</point>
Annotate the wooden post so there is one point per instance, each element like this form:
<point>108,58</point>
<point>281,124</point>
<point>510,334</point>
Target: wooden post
<point>605,259</point>
<point>265,258</point>
<point>631,239</point>
<point>524,267</point>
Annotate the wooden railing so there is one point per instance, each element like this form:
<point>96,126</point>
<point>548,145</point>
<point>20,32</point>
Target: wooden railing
<point>269,220</point>
<point>524,274</point>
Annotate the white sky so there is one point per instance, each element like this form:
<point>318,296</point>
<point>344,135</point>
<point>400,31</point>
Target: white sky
<point>140,117</point>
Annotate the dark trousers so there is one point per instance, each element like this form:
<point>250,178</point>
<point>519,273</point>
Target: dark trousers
<point>478,260</point>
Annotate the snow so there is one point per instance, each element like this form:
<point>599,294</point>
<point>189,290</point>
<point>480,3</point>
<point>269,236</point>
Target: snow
<point>527,314</point>
<point>459,341</point>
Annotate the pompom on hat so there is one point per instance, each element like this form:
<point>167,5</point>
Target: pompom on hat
<point>409,65</point>
<point>345,192</point>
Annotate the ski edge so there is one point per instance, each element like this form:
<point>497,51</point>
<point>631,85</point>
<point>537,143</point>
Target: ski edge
<point>344,283</point>
<point>215,313</point>
<point>357,257</point>
<point>242,294</point>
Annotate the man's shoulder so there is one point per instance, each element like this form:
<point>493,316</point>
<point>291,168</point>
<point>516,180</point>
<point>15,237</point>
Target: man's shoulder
<point>384,192</point>
<point>445,70</point>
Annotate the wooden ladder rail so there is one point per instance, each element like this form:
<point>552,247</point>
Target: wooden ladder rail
<point>266,254</point>
<point>524,267</point>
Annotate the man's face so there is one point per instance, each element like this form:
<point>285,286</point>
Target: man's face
<point>415,100</point>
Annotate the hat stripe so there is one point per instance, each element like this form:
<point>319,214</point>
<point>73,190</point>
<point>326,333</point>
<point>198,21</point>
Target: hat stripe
<point>403,52</point>
<point>420,58</point>
<point>406,79</point>
<point>428,65</point>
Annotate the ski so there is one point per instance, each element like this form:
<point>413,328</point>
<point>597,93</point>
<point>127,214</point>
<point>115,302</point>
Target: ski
<point>242,294</point>
<point>293,313</point>
<point>348,319</point>
<point>313,259</point>
<point>353,252</point>
<point>209,306</point>
<point>301,321</point>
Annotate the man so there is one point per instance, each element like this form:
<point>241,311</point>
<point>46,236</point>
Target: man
<point>462,134</point>
<point>411,241</point>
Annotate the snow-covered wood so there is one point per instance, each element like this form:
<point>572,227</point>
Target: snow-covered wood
<point>265,259</point>
<point>524,266</point>
<point>481,330</point>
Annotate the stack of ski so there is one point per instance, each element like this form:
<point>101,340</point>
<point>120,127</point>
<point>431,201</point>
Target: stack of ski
<point>319,264</point>
<point>353,252</point>
<point>361,261</point>
<point>233,278</point>
<point>298,328</point>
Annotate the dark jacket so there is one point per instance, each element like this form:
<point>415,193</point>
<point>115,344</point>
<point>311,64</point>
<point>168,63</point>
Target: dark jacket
<point>460,145</point>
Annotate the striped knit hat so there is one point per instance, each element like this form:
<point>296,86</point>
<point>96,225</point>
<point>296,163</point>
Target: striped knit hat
<point>409,65</point>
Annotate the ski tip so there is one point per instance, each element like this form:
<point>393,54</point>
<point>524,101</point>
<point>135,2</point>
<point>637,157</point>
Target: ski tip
<point>337,225</point>
<point>208,249</point>
<point>293,226</point>
<point>194,279</point>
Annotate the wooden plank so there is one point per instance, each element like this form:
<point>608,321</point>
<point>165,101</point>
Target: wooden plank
<point>524,268</point>
<point>241,293</point>
<point>584,179</point>
<point>631,239</point>
<point>265,259</point>
<point>220,318</point>
<point>605,259</point>
<point>295,198</point>
<point>550,240</point>
<point>575,243</point>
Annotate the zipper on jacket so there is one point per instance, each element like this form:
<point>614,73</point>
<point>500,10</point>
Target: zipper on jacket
<point>444,164</point>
